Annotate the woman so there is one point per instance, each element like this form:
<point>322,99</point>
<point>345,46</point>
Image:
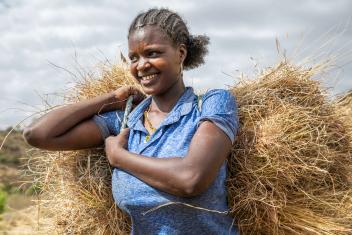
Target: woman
<point>173,150</point>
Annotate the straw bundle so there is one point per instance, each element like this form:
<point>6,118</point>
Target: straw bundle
<point>343,106</point>
<point>76,185</point>
<point>291,163</point>
<point>288,171</point>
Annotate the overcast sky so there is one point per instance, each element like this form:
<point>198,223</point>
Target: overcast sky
<point>35,34</point>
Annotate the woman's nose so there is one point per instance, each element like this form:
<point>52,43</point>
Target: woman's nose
<point>142,63</point>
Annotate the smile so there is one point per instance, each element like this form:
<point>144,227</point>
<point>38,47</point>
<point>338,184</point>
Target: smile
<point>149,77</point>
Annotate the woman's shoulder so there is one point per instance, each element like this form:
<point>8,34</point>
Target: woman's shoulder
<point>219,106</point>
<point>218,93</point>
<point>220,97</point>
<point>109,122</point>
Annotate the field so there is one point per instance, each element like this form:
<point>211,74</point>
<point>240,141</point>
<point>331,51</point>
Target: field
<point>18,213</point>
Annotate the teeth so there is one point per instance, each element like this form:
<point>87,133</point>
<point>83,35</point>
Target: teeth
<point>149,77</point>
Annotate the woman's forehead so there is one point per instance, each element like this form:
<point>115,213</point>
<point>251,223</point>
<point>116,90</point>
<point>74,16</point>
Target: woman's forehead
<point>146,36</point>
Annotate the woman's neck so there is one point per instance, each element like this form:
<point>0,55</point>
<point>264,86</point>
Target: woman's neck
<point>166,101</point>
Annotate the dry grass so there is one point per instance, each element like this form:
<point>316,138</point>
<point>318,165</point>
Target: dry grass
<point>77,185</point>
<point>289,168</point>
<point>291,163</point>
<point>343,106</point>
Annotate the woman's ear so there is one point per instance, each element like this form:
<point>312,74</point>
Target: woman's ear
<point>182,49</point>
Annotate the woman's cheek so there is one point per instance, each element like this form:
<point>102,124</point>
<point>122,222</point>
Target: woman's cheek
<point>133,71</point>
<point>159,63</point>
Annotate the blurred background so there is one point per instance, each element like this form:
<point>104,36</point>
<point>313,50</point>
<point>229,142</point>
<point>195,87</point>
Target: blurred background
<point>43,44</point>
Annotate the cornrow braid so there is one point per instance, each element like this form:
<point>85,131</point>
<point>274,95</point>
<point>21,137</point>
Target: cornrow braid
<point>176,29</point>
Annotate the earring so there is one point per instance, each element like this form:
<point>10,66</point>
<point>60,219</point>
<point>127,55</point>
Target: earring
<point>181,69</point>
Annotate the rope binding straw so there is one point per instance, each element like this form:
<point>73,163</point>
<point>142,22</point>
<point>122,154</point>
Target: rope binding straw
<point>127,112</point>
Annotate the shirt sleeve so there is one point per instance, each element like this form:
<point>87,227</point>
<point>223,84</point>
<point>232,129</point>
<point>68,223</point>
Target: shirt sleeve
<point>219,106</point>
<point>109,123</point>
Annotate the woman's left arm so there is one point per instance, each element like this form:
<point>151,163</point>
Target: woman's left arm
<point>182,176</point>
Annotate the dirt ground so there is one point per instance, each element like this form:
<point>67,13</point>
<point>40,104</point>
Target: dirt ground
<point>21,217</point>
<point>21,213</point>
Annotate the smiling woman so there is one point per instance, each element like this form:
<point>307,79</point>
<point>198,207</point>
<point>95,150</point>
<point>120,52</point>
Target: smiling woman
<point>174,151</point>
<point>155,62</point>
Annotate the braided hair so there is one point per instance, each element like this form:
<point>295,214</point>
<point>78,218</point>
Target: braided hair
<point>176,30</point>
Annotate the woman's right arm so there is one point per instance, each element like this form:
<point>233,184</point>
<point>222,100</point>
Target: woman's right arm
<point>71,127</point>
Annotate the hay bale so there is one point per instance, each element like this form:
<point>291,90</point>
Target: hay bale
<point>289,171</point>
<point>290,168</point>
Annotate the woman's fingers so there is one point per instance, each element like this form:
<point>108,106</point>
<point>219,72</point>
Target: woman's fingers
<point>125,133</point>
<point>138,96</point>
<point>124,92</point>
<point>122,138</point>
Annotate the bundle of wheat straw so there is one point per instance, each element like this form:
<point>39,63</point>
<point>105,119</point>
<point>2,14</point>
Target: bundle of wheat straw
<point>343,106</point>
<point>290,168</point>
<point>288,171</point>
<point>77,184</point>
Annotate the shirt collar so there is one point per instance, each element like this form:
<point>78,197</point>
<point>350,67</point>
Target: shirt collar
<point>182,107</point>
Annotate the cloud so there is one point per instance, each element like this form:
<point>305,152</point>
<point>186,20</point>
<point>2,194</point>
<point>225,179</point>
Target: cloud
<point>37,33</point>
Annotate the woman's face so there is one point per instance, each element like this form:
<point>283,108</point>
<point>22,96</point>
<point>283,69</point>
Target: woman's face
<point>155,62</point>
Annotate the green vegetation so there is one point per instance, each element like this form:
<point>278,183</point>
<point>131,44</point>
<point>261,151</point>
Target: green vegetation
<point>3,197</point>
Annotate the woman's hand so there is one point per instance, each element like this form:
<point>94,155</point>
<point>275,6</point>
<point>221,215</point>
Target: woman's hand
<point>115,145</point>
<point>124,92</point>
<point>70,127</point>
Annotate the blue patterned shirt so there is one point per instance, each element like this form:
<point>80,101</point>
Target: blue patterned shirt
<point>172,139</point>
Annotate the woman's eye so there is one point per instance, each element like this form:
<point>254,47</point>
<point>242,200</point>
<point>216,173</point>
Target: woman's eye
<point>153,53</point>
<point>133,59</point>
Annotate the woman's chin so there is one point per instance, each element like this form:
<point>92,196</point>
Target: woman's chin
<point>149,90</point>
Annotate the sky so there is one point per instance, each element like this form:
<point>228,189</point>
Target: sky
<point>38,36</point>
